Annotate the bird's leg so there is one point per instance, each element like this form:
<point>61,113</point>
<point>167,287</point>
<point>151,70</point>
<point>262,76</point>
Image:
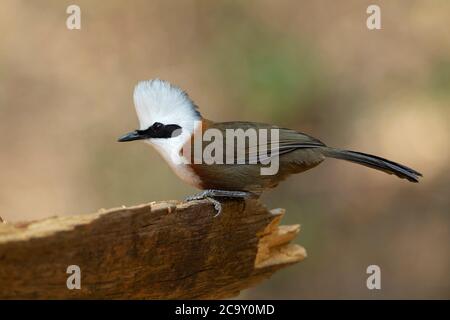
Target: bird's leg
<point>219,193</point>
<point>211,194</point>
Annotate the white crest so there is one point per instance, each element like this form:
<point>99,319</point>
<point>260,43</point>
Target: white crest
<point>159,101</point>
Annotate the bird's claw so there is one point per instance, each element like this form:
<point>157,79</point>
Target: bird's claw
<point>211,194</point>
<point>217,206</point>
<point>201,196</point>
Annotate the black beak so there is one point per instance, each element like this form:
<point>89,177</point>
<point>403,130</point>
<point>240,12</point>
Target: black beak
<point>134,135</point>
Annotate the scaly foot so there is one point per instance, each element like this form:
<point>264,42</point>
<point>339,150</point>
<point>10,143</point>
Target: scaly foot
<point>210,194</point>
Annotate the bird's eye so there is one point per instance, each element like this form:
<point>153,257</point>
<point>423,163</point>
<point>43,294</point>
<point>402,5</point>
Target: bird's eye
<point>157,125</point>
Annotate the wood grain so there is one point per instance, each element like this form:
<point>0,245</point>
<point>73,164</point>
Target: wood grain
<point>160,250</point>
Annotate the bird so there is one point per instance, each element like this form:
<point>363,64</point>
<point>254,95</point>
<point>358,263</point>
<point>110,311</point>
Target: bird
<point>170,121</point>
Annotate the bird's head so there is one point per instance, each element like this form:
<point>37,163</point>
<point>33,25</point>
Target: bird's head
<point>167,115</point>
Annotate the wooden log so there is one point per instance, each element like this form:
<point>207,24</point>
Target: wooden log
<point>160,250</point>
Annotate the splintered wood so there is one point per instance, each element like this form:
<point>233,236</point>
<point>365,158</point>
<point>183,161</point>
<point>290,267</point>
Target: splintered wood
<point>160,250</point>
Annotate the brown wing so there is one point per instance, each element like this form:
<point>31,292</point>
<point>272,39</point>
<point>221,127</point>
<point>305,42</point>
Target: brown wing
<point>297,152</point>
<point>288,140</point>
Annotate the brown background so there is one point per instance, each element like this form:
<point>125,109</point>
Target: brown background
<point>65,96</point>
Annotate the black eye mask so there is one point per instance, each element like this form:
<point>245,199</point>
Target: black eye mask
<point>155,131</point>
<point>160,131</point>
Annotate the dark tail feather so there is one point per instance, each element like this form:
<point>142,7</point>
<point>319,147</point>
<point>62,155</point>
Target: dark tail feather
<point>375,162</point>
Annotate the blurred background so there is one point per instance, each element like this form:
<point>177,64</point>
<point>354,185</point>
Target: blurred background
<point>65,97</point>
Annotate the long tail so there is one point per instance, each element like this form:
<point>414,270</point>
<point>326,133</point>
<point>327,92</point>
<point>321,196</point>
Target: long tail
<point>375,162</point>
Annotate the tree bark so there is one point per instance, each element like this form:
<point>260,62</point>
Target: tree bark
<point>161,250</point>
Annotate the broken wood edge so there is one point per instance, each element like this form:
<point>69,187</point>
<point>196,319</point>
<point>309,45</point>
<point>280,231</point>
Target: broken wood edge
<point>274,247</point>
<point>25,230</point>
<point>274,250</point>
